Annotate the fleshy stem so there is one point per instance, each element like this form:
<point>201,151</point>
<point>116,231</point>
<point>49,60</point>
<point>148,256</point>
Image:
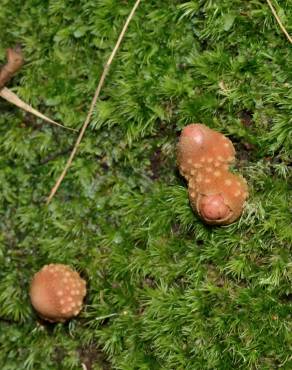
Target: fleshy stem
<point>13,65</point>
<point>93,102</point>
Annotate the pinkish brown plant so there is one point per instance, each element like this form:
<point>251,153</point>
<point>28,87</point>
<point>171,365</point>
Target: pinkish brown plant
<point>204,157</point>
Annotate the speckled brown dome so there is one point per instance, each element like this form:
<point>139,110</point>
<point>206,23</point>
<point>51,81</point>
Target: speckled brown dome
<point>203,157</point>
<point>57,292</point>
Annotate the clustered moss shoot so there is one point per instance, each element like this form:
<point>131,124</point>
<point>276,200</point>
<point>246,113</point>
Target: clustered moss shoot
<point>165,291</point>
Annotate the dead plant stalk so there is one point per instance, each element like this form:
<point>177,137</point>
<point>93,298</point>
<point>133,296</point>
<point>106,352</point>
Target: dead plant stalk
<point>93,102</point>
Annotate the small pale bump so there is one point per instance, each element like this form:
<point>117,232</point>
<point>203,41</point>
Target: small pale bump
<point>207,181</point>
<point>220,158</point>
<point>197,165</point>
<point>199,178</point>
<point>230,158</point>
<point>62,301</point>
<point>209,169</point>
<point>189,161</point>
<point>193,195</point>
<point>203,159</point>
<point>217,164</point>
<point>65,280</point>
<point>67,289</point>
<point>67,274</point>
<point>191,185</point>
<point>228,182</point>
<point>70,299</point>
<point>60,293</point>
<point>217,173</point>
<point>237,193</point>
<point>76,313</point>
<point>193,172</point>
<point>226,145</point>
<point>63,311</point>
<point>209,160</point>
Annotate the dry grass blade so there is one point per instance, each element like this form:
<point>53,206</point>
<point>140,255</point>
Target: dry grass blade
<point>279,21</point>
<point>8,95</point>
<point>93,103</point>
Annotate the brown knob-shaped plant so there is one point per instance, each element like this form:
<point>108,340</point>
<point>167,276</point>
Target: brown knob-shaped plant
<point>57,292</point>
<point>203,157</point>
<point>14,63</point>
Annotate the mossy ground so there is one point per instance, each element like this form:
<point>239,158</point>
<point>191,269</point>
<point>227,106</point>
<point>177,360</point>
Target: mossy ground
<point>164,290</point>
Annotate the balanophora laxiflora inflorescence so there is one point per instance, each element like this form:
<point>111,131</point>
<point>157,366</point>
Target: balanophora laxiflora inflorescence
<point>57,292</point>
<point>204,157</point>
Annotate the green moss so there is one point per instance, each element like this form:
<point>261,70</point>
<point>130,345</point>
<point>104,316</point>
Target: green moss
<point>164,290</point>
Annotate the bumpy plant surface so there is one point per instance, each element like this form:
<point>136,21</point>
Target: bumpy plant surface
<point>165,291</point>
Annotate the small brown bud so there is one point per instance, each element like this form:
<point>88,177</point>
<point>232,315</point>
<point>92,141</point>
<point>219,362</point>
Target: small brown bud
<point>57,292</point>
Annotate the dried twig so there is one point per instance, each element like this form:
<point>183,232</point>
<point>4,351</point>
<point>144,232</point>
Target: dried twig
<point>8,95</point>
<point>55,155</point>
<point>93,103</point>
<point>279,21</point>
<point>14,63</point>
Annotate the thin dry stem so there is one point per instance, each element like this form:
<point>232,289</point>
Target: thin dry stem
<point>279,21</point>
<point>14,63</point>
<point>93,103</point>
<point>12,98</point>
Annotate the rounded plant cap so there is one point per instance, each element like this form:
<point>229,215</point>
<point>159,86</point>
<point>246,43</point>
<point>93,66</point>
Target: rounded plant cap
<point>57,292</point>
<point>213,208</point>
<point>195,132</point>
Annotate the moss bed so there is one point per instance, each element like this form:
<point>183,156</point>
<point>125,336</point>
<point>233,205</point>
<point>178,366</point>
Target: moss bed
<point>165,291</point>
